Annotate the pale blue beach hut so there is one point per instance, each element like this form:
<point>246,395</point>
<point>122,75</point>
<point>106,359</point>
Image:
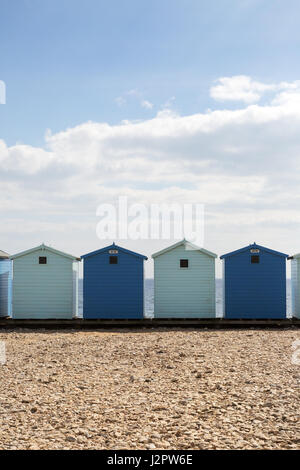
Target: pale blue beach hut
<point>295,272</point>
<point>184,282</point>
<point>45,284</point>
<point>5,284</point>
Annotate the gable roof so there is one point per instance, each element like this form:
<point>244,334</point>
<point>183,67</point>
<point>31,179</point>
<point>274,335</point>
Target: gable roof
<point>4,255</point>
<point>297,256</point>
<point>188,246</point>
<point>46,248</point>
<point>254,246</point>
<point>114,247</point>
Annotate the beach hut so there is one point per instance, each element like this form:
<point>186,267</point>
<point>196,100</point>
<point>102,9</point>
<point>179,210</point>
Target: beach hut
<point>45,284</point>
<point>254,280</point>
<point>184,282</point>
<point>5,284</point>
<point>113,284</point>
<point>295,272</point>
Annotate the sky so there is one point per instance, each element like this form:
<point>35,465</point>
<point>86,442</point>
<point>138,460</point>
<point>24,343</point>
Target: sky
<point>173,101</point>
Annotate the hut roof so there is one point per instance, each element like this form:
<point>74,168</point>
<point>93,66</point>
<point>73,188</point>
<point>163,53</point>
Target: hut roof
<point>188,246</point>
<point>46,248</point>
<point>254,246</point>
<point>3,255</point>
<point>297,256</point>
<point>113,247</point>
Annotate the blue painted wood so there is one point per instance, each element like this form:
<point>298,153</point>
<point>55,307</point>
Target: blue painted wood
<point>113,290</point>
<point>5,285</point>
<point>255,291</point>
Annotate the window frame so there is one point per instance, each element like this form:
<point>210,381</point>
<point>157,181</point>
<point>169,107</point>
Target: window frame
<point>257,257</point>
<point>185,260</point>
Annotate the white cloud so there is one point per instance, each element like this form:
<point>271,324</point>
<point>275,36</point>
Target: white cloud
<point>243,88</point>
<point>244,165</point>
<point>169,103</point>
<point>137,95</point>
<point>133,92</point>
<point>120,100</point>
<point>239,88</point>
<point>146,104</point>
<point>2,92</point>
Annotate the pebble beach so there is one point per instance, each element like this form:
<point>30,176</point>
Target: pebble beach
<point>149,389</point>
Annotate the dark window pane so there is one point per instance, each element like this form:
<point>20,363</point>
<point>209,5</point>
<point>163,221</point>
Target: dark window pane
<point>255,259</point>
<point>113,260</point>
<point>184,263</point>
<point>42,260</point>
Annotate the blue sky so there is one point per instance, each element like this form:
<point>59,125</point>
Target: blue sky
<point>165,101</point>
<point>66,61</point>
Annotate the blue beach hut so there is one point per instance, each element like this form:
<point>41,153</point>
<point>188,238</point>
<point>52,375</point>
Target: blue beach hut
<point>5,284</point>
<point>113,284</point>
<point>254,280</point>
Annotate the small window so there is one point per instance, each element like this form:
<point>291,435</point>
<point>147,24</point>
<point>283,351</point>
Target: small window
<point>113,260</point>
<point>254,259</point>
<point>184,263</point>
<point>43,260</point>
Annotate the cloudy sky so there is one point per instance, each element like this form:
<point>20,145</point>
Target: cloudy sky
<point>173,101</point>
